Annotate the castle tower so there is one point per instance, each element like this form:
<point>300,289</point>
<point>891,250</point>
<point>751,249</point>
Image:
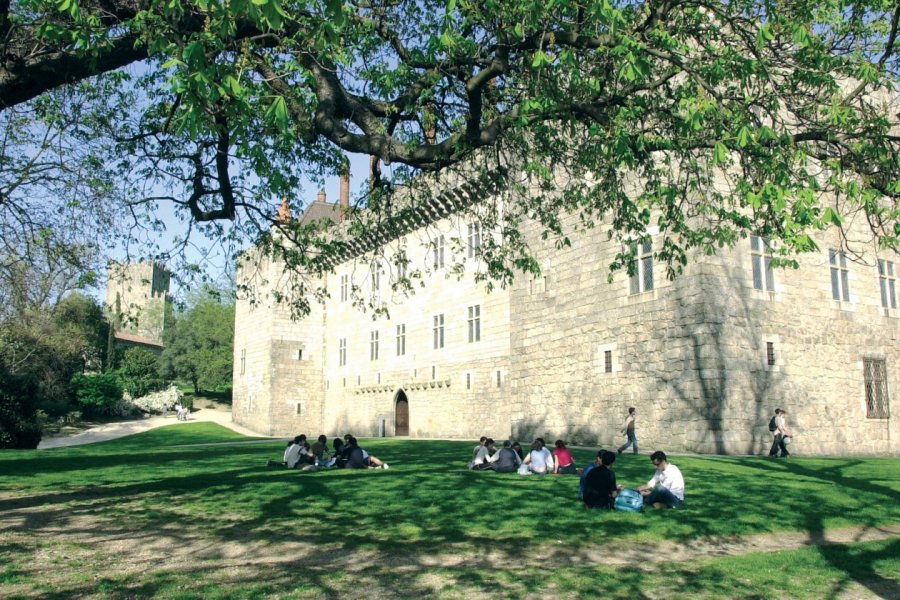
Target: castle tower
<point>136,299</point>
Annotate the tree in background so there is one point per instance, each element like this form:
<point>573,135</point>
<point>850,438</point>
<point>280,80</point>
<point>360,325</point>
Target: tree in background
<point>140,372</point>
<point>19,427</point>
<point>199,347</point>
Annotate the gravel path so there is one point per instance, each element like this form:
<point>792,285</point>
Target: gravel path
<point>111,431</point>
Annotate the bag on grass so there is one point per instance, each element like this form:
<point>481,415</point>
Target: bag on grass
<point>630,501</point>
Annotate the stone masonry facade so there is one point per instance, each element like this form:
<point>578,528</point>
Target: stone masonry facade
<point>705,358</point>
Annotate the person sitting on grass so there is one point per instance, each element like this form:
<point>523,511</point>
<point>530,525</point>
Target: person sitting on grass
<point>292,453</point>
<point>539,460</point>
<point>506,460</point>
<point>563,463</point>
<point>517,448</point>
<point>341,453</point>
<point>360,459</point>
<point>600,487</point>
<point>483,456</point>
<point>666,488</point>
<point>478,448</point>
<point>587,469</point>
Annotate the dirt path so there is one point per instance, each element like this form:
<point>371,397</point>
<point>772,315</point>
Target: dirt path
<point>111,431</point>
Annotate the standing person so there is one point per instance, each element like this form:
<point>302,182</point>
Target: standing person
<point>666,488</point>
<point>785,432</point>
<point>776,433</point>
<point>600,487</point>
<point>628,430</point>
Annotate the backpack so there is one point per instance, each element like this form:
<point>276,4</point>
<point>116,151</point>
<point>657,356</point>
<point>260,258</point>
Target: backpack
<point>772,425</point>
<point>630,501</point>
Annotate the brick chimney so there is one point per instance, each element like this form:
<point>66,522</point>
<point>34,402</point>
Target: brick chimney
<point>321,197</point>
<point>284,211</point>
<point>345,191</point>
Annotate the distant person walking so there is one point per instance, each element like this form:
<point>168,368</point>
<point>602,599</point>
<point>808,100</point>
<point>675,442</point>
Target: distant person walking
<point>628,431</point>
<point>776,434</point>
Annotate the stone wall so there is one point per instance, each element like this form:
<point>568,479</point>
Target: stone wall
<point>690,354</point>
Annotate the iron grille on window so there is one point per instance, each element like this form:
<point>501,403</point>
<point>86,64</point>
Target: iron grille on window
<point>875,374</point>
<point>770,353</point>
<point>607,361</point>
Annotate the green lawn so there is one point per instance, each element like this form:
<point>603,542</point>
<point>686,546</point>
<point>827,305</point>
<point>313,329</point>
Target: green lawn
<point>189,512</point>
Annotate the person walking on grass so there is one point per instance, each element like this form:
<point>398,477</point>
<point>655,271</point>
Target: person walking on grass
<point>628,431</point>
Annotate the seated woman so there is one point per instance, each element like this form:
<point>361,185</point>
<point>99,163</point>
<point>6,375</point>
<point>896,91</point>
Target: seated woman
<point>600,487</point>
<point>539,460</point>
<point>564,464</point>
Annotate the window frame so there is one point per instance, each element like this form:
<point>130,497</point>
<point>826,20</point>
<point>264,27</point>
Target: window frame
<point>643,267</point>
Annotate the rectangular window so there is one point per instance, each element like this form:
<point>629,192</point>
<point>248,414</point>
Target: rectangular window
<point>438,331</point>
<point>840,275</point>
<point>498,378</point>
<point>875,375</point>
<point>475,323</point>
<point>373,346</point>
<point>376,277</point>
<point>439,253</point>
<point>468,381</point>
<point>770,353</point>
<point>761,253</point>
<point>607,361</point>
<point>434,372</point>
<point>642,280</point>
<point>345,287</point>
<point>888,283</point>
<point>243,361</point>
<point>474,239</point>
<point>342,352</point>
<point>298,409</point>
<point>401,340</point>
<point>299,354</point>
<point>402,263</point>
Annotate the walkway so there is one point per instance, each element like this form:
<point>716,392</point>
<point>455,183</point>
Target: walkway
<point>111,431</point>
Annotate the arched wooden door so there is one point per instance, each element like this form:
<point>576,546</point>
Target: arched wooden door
<point>401,414</point>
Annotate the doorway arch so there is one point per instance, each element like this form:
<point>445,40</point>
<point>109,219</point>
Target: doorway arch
<point>401,414</point>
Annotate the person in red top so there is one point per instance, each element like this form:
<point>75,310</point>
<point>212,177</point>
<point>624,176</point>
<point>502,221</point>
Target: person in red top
<point>562,459</point>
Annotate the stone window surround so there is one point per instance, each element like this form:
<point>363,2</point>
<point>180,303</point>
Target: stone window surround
<point>600,359</point>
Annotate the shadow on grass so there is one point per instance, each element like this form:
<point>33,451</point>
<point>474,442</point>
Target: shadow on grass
<point>427,508</point>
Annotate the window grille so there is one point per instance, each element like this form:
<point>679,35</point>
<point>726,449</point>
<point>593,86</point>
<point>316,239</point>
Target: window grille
<point>875,376</point>
<point>770,353</point>
<point>607,361</point>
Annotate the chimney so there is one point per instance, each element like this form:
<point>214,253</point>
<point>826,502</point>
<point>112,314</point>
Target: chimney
<point>345,191</point>
<point>321,196</point>
<point>284,211</point>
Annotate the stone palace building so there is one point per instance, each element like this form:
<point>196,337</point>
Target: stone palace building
<point>705,358</point>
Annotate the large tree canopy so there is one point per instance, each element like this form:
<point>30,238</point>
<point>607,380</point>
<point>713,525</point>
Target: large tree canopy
<point>708,118</point>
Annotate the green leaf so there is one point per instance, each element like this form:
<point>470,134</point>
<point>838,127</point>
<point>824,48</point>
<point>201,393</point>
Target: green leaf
<point>721,153</point>
<point>744,136</point>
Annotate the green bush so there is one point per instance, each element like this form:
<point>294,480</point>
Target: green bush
<point>140,374</point>
<point>19,426</point>
<point>97,394</point>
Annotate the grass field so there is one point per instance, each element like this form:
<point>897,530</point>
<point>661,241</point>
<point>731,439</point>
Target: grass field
<point>191,511</point>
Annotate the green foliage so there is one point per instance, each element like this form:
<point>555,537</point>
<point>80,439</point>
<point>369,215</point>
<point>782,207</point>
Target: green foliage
<point>140,372</point>
<point>199,345</point>
<point>97,394</point>
<point>46,347</point>
<point>20,425</point>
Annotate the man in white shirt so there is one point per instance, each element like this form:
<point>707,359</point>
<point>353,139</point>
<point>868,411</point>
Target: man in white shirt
<point>666,488</point>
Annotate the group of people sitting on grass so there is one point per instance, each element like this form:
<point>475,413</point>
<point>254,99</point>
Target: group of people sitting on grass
<point>345,453</point>
<point>510,459</point>
<point>599,489</point>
